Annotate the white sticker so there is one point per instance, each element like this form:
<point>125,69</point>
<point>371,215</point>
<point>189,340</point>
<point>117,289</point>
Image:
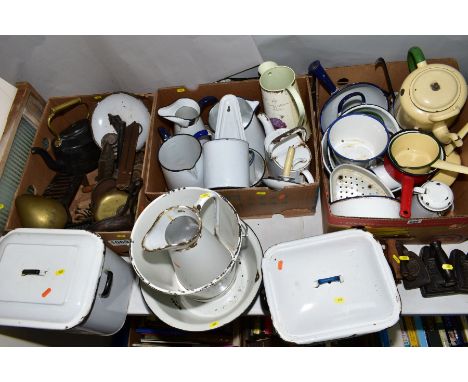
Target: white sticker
<point>118,243</point>
<point>414,221</point>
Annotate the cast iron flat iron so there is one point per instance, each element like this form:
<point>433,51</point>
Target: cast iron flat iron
<point>459,261</point>
<point>440,270</point>
<point>412,268</point>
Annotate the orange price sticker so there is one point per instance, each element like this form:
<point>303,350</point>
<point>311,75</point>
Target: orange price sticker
<point>46,292</point>
<point>280,265</point>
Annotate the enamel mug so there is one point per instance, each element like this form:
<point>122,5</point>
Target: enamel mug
<point>281,98</point>
<point>254,133</point>
<point>226,163</point>
<point>181,161</point>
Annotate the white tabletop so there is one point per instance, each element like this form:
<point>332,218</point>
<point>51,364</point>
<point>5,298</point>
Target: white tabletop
<point>278,229</point>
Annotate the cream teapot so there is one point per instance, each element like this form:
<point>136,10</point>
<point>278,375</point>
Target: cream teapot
<point>431,97</point>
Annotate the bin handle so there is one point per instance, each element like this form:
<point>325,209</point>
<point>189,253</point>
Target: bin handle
<point>107,288</point>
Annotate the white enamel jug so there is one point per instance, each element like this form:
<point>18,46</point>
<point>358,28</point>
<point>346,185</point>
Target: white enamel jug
<point>185,113</point>
<point>203,242</point>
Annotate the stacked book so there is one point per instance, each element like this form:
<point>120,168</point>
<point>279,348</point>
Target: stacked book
<point>422,331</point>
<point>151,332</point>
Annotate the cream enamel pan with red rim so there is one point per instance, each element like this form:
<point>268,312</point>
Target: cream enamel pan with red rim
<point>413,156</point>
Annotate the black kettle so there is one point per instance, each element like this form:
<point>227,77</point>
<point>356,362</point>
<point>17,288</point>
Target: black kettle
<point>74,149</point>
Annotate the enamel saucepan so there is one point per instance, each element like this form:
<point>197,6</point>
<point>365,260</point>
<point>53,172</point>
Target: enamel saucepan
<point>412,157</point>
<point>358,93</point>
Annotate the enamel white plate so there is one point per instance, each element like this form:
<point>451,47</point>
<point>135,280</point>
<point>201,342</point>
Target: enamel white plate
<point>183,312</point>
<point>130,109</point>
<point>278,184</point>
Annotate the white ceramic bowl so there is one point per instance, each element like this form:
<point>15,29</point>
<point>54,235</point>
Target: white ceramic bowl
<point>367,207</point>
<point>185,313</point>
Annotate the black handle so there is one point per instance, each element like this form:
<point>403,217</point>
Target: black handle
<point>445,268</point>
<point>31,272</point>
<point>207,101</point>
<point>107,288</point>
<point>381,62</point>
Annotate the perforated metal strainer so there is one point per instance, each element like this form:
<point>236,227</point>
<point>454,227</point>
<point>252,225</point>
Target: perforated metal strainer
<point>348,180</point>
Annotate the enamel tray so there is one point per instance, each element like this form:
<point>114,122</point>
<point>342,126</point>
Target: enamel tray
<point>330,286</point>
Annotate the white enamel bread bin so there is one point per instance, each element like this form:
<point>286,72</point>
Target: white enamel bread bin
<point>62,279</point>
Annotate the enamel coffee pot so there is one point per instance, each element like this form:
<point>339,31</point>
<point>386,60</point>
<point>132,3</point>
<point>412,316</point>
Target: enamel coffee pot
<point>431,97</point>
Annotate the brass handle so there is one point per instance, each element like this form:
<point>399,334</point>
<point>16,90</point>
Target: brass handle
<point>59,109</point>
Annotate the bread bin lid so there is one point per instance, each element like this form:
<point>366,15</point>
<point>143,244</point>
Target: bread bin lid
<point>48,277</point>
<point>331,286</point>
<point>436,89</point>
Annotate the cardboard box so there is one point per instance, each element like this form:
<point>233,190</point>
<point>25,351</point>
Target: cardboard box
<point>38,175</point>
<point>450,228</point>
<point>249,202</point>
